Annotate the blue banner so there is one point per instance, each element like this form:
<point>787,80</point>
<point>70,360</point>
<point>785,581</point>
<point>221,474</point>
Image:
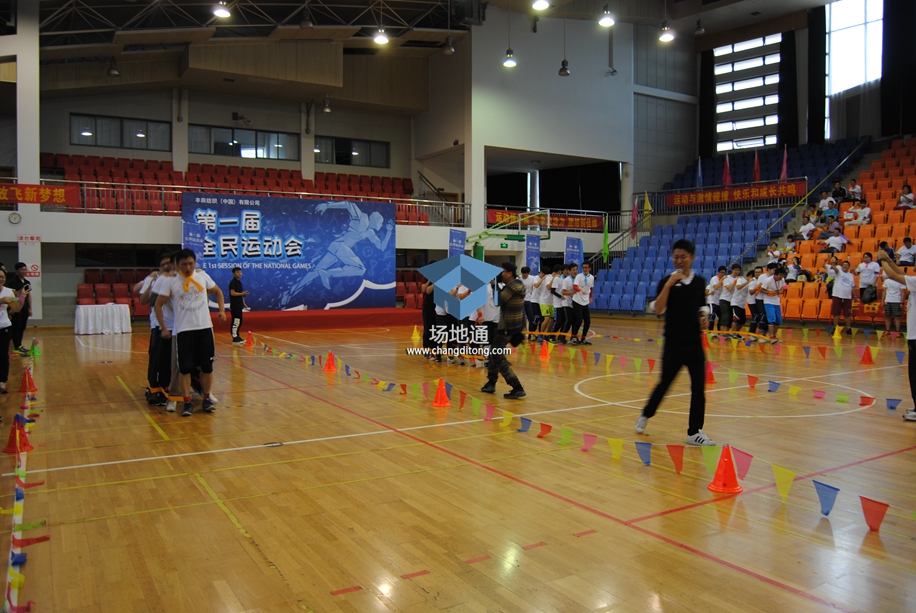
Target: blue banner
<point>533,253</point>
<point>573,250</point>
<point>295,254</point>
<point>456,242</point>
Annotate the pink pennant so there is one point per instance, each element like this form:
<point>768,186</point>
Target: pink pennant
<point>711,366</point>
<point>588,441</point>
<point>426,389</point>
<point>860,351</point>
<point>777,349</point>
<point>677,457</point>
<point>14,608</point>
<point>623,361</point>
<point>742,462</point>
<point>489,414</point>
<point>819,393</point>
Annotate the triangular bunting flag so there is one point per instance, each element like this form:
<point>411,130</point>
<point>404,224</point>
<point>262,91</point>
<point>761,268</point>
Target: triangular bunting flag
<point>734,344</point>
<point>867,333</point>
<point>475,406</point>
<point>426,390</point>
<point>823,352</point>
<point>793,390</point>
<point>677,457</point>
<point>874,512</point>
<point>507,419</point>
<point>752,381</point>
<point>390,387</point>
<point>565,436</point>
<point>773,386</point>
<point>839,351</point>
<point>597,358</point>
<point>490,411</point>
<point>733,376</point>
<point>860,351</point>
<point>807,351</point>
<point>616,445</point>
<point>462,396</point>
<point>607,359</point>
<point>637,362</point>
<point>805,333</point>
<point>784,479</point>
<point>526,425</point>
<point>415,388</point>
<point>827,495</point>
<point>645,452</point>
<point>651,364</point>
<point>819,393</point>
<point>874,351</point>
<point>792,349</point>
<point>403,388</point>
<point>711,457</point>
<point>900,356</point>
<point>347,369</point>
<point>623,362</point>
<point>893,403</point>
<point>448,390</point>
<point>545,430</point>
<point>777,348</point>
<point>588,441</point>
<point>865,401</point>
<point>742,462</point>
<point>842,397</point>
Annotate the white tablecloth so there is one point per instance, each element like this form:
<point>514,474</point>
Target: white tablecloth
<point>102,319</point>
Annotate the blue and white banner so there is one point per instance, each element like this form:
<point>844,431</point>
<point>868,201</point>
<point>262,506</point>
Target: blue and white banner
<point>295,254</point>
<point>456,242</point>
<point>533,253</point>
<point>573,250</point>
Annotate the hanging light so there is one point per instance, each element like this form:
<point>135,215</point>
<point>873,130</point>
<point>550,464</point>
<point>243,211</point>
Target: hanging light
<point>380,37</point>
<point>449,47</point>
<point>113,69</point>
<point>667,34</point>
<point>606,19</point>
<point>86,132</point>
<point>140,134</point>
<point>306,23</point>
<point>564,69</point>
<point>316,149</point>
<point>327,105</point>
<point>221,10</point>
<point>540,5</point>
<point>700,29</point>
<point>354,152</point>
<point>509,62</point>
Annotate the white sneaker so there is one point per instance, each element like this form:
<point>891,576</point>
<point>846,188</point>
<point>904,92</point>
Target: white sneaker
<point>170,407</point>
<point>213,398</point>
<point>700,439</point>
<point>910,416</point>
<point>641,424</point>
<point>775,340</point>
<point>910,411</point>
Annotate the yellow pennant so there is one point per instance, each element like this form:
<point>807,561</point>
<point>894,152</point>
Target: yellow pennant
<point>793,390</point>
<point>616,447</point>
<point>784,480</point>
<point>507,419</point>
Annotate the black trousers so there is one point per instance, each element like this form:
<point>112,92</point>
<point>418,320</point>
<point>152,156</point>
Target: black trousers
<point>152,366</point>
<point>448,322</point>
<point>560,320</point>
<point>580,315</point>
<point>759,321</point>
<point>429,320</point>
<point>533,315</point>
<point>739,316</point>
<point>714,316</point>
<point>911,366</point>
<point>675,356</point>
<point>20,322</point>
<point>498,364</point>
<point>725,315</point>
<point>5,334</point>
<point>236,323</point>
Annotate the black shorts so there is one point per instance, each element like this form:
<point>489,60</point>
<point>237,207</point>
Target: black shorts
<point>196,349</point>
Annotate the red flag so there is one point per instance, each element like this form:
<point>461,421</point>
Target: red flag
<point>785,164</point>
<point>756,168</point>
<point>633,219</point>
<point>727,173</point>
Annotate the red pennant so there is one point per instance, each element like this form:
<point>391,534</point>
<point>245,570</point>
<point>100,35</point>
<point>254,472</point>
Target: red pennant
<point>823,352</point>
<point>403,388</point>
<point>545,430</point>
<point>319,360</point>
<point>874,512</point>
<point>30,541</point>
<point>677,457</point>
<point>864,401</point>
<point>651,364</point>
<point>742,462</point>
<point>584,355</point>
<point>752,381</point>
<point>23,485</point>
<point>763,347</point>
<point>17,608</point>
<point>462,396</point>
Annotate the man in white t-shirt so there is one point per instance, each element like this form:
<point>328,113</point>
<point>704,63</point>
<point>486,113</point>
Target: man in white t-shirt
<point>894,295</point>
<point>757,311</point>
<point>868,272</point>
<point>906,255</point>
<point>861,215</point>
<point>567,292</point>
<point>855,191</point>
<point>582,296</point>
<point>159,367</point>
<point>834,244</point>
<point>548,304</point>
<point>739,301</point>
<point>899,275</point>
<point>826,202</point>
<point>805,231</point>
<point>532,311</point>
<point>714,293</point>
<point>772,299</point>
<point>844,289</point>
<point>188,293</point>
<point>725,298</point>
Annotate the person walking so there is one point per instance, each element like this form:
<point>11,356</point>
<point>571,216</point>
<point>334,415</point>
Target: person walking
<point>511,296</point>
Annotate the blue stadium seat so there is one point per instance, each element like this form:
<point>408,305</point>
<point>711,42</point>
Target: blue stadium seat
<point>614,303</point>
<point>631,253</point>
<point>625,303</point>
<point>602,303</point>
<point>639,303</point>
<point>602,275</point>
<point>611,277</point>
<point>652,253</point>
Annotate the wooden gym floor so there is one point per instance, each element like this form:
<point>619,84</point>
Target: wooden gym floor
<point>378,502</point>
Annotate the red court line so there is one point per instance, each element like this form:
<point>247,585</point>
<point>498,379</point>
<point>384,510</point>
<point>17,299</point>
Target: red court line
<point>766,487</point>
<point>347,590</point>
<point>419,573</point>
<point>586,533</point>
<point>584,507</point>
<point>534,546</point>
<point>476,560</point>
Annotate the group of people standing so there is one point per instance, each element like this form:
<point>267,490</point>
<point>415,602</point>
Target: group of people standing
<point>15,310</point>
<point>561,299</point>
<point>730,294</point>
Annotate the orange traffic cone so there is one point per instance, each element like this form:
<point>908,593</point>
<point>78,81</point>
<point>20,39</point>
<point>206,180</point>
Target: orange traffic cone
<point>725,481</point>
<point>709,376</point>
<point>545,355</point>
<point>441,399</point>
<point>28,374</point>
<point>866,356</point>
<point>330,365</point>
<point>249,340</point>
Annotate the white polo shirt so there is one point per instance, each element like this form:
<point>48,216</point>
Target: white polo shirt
<point>567,286</point>
<point>739,294</point>
<point>751,286</point>
<point>893,291</point>
<point>528,282</point>
<point>843,285</point>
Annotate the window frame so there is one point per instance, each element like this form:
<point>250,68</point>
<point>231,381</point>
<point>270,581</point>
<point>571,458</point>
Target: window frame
<point>235,147</point>
<point>121,132</point>
<point>339,153</point>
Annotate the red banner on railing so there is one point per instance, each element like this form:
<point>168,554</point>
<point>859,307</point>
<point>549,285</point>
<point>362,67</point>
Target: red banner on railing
<point>556,222</point>
<point>40,194</point>
<point>737,194</point>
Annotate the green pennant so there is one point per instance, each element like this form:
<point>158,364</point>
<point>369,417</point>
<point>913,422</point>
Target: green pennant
<point>565,436</point>
<point>805,333</point>
<point>31,526</point>
<point>20,473</point>
<point>475,406</point>
<point>839,351</point>
<point>638,363</point>
<point>842,397</point>
<point>733,376</point>
<point>711,457</point>
<point>415,388</point>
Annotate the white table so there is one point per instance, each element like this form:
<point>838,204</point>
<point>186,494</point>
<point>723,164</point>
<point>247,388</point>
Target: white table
<point>102,319</point>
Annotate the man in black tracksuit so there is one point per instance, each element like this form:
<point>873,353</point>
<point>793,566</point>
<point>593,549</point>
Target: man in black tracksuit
<point>681,296</point>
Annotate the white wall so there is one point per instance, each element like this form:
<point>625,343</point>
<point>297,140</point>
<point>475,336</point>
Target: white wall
<point>60,275</point>
<point>436,129</point>
<point>368,125</point>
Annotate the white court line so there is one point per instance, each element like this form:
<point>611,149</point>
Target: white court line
<point>106,348</point>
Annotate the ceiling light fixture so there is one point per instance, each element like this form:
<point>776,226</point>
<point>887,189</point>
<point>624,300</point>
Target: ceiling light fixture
<point>86,132</point>
<point>327,105</point>
<point>667,34</point>
<point>113,69</point>
<point>700,31</point>
<point>380,38</point>
<point>316,149</point>
<point>564,65</point>
<point>449,47</point>
<point>221,10</point>
<point>509,62</point>
<point>606,19</point>
<point>306,23</point>
<point>540,5</point>
<point>354,152</point>
<point>141,134</point>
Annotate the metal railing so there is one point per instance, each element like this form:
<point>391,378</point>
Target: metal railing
<point>623,241</point>
<point>560,220</point>
<point>133,199</point>
<point>750,197</point>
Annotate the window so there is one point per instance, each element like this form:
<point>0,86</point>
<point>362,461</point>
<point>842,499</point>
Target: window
<point>120,133</point>
<point>251,144</point>
<point>747,78</point>
<point>854,43</point>
<point>352,152</point>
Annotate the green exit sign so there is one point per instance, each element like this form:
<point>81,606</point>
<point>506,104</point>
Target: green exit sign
<point>504,245</point>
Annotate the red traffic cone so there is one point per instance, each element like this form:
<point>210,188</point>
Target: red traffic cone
<point>725,481</point>
<point>330,365</point>
<point>11,444</point>
<point>709,376</point>
<point>24,444</point>
<point>24,384</point>
<point>544,355</point>
<point>31,382</point>
<point>249,340</point>
<point>866,356</point>
<point>441,399</point>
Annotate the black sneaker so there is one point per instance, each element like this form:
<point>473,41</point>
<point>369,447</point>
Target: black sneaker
<point>238,340</point>
<point>160,399</point>
<point>489,388</point>
<point>574,340</point>
<point>147,393</point>
<point>207,406</point>
<point>187,410</point>
<point>584,342</point>
<point>516,393</point>
<point>848,331</point>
